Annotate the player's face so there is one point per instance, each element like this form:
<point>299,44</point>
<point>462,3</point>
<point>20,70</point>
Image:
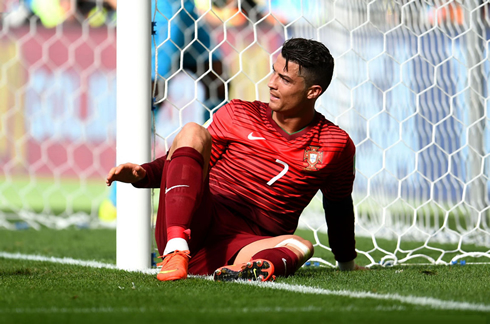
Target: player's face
<point>288,92</point>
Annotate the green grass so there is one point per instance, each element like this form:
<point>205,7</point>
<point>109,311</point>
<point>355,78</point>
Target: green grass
<point>58,293</point>
<point>45,194</point>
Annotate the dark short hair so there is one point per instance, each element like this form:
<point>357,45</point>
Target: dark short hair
<point>314,60</point>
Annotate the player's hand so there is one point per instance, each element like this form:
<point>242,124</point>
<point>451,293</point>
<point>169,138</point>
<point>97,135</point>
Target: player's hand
<point>127,172</point>
<point>358,267</point>
<point>349,266</point>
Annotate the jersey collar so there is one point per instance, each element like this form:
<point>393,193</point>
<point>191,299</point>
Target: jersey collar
<point>287,136</point>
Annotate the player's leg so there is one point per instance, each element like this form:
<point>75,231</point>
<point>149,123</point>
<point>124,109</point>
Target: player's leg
<point>188,162</point>
<point>301,248</point>
<point>181,192</point>
<point>263,259</point>
<point>196,137</point>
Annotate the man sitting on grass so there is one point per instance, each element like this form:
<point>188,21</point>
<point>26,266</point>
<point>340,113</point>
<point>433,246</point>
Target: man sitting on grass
<point>231,195</point>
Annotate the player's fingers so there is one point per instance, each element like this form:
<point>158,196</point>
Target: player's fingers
<point>110,175</point>
<point>115,173</point>
<point>118,169</point>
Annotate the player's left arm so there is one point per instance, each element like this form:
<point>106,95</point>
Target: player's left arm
<point>339,209</point>
<point>339,215</point>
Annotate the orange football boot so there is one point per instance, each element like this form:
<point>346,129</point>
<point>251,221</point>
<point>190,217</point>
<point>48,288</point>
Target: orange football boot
<point>254,270</point>
<point>174,266</point>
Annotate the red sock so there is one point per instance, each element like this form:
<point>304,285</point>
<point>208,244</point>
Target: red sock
<point>284,260</point>
<point>183,191</point>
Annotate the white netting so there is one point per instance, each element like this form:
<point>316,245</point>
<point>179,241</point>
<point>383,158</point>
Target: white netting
<point>410,86</point>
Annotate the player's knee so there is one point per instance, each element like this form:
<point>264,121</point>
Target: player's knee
<point>309,245</point>
<point>192,129</point>
<point>299,244</point>
<point>193,135</point>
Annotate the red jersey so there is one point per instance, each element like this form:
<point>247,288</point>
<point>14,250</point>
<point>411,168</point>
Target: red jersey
<point>269,176</point>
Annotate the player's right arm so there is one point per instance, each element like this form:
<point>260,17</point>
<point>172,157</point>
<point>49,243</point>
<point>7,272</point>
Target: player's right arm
<point>148,175</point>
<point>126,172</point>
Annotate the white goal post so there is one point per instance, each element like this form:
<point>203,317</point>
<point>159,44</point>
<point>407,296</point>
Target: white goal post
<point>133,131</point>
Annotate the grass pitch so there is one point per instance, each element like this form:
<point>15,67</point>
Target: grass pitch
<point>51,292</point>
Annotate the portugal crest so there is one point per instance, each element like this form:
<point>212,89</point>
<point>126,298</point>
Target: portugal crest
<point>312,158</point>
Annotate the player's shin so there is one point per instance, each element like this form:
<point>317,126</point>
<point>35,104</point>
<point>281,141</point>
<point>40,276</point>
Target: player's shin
<point>183,193</point>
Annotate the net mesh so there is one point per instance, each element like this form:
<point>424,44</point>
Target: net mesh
<point>410,86</point>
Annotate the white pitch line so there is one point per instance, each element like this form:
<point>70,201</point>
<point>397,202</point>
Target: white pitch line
<point>91,264</point>
<point>413,300</point>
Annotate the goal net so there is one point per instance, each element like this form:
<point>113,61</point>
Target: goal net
<point>410,86</point>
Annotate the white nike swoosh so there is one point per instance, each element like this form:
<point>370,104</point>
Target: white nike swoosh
<point>177,186</point>
<point>251,137</point>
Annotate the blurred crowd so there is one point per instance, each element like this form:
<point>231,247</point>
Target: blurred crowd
<point>51,13</point>
<point>97,13</point>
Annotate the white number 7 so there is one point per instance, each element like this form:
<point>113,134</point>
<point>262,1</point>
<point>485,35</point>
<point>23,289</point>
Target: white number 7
<point>283,172</point>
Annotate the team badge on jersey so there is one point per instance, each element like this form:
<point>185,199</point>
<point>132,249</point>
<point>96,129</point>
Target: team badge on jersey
<point>312,158</point>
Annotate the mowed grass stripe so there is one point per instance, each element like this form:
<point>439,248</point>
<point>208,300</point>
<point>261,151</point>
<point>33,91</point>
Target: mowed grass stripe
<point>413,300</point>
<point>228,310</point>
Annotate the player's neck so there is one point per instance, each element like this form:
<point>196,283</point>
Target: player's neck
<point>293,124</point>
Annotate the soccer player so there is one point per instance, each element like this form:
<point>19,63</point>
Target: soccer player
<point>231,195</point>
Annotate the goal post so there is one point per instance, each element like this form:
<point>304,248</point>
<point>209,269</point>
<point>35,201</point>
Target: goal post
<point>133,131</point>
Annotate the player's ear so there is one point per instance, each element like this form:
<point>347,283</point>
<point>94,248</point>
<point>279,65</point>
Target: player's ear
<point>314,91</point>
